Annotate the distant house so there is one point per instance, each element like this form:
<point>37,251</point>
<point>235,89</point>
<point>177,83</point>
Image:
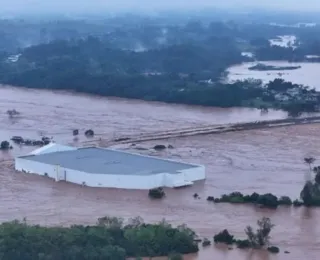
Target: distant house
<point>13,58</point>
<point>207,81</point>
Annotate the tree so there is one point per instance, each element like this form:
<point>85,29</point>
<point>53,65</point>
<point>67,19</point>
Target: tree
<point>224,237</point>
<point>309,161</point>
<point>157,193</point>
<point>110,222</point>
<point>317,178</point>
<point>135,222</point>
<point>310,194</point>
<point>5,145</point>
<point>22,241</point>
<point>307,194</point>
<point>175,257</point>
<point>12,113</point>
<point>260,238</point>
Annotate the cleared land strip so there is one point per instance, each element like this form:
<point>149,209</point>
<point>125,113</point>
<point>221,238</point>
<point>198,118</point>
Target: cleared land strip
<point>205,130</point>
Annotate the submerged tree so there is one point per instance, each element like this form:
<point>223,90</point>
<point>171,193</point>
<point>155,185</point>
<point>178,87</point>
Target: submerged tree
<point>307,193</point>
<point>261,237</point>
<point>309,161</point>
<point>255,239</point>
<point>156,193</point>
<point>110,222</point>
<point>175,257</point>
<point>5,145</point>
<point>12,113</point>
<point>310,193</point>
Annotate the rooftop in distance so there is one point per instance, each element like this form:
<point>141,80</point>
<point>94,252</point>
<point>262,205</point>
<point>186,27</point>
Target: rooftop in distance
<point>108,161</point>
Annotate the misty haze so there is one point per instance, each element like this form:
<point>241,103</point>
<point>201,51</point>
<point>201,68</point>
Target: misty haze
<point>85,6</point>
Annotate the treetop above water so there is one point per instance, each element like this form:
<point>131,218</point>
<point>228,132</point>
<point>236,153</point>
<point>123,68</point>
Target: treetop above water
<point>109,239</point>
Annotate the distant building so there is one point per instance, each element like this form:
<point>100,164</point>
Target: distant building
<point>14,58</point>
<point>98,167</point>
<point>247,54</point>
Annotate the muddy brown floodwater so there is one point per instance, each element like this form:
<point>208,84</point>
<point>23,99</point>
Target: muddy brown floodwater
<point>257,160</point>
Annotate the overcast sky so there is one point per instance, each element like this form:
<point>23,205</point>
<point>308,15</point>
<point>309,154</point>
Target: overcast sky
<point>99,5</point>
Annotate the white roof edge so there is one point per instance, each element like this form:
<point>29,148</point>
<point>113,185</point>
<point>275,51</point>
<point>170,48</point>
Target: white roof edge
<point>52,147</point>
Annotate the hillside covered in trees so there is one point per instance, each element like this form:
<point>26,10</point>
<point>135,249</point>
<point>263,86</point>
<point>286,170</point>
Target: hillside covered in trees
<point>156,58</point>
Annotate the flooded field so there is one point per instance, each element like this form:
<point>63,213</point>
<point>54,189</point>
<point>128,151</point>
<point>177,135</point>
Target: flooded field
<point>306,75</point>
<point>257,160</point>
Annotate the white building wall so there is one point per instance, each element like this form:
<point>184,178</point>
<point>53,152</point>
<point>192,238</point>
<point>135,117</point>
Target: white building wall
<point>115,181</point>
<point>185,177</point>
<point>28,166</point>
<point>172,179</point>
<point>109,180</point>
<point>194,174</point>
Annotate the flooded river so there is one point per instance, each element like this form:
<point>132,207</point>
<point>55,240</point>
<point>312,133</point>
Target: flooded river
<point>306,75</point>
<point>256,160</point>
<point>57,114</point>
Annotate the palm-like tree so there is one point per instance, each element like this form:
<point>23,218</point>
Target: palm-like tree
<point>309,161</point>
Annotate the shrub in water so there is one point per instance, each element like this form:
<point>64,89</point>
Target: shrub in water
<point>224,237</point>
<point>273,249</point>
<point>268,200</point>
<point>156,193</point>
<point>285,200</point>
<point>206,242</point>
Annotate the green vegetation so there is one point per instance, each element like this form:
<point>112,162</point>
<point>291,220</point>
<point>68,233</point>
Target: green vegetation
<point>140,33</point>
<point>310,193</point>
<point>109,239</point>
<point>175,63</point>
<point>264,67</point>
<point>206,242</point>
<point>177,74</point>
<point>255,239</point>
<point>224,237</point>
<point>285,200</point>
<point>5,145</point>
<point>159,147</point>
<point>157,193</point>
<point>175,257</point>
<point>260,238</point>
<point>266,200</point>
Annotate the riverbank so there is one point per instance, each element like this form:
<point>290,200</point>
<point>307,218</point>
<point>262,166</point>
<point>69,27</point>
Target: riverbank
<point>175,88</point>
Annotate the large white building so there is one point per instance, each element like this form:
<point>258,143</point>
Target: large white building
<point>99,167</point>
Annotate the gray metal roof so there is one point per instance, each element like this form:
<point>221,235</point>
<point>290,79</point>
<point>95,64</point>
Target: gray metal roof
<point>107,161</point>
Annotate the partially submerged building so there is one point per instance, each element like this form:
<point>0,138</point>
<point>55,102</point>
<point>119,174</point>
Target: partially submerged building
<point>99,167</point>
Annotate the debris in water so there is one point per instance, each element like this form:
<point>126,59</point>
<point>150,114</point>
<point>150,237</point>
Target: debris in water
<point>75,132</point>
<point>159,147</point>
<point>89,132</point>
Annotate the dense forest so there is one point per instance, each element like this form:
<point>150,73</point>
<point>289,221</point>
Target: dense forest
<point>155,58</point>
<point>110,239</point>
